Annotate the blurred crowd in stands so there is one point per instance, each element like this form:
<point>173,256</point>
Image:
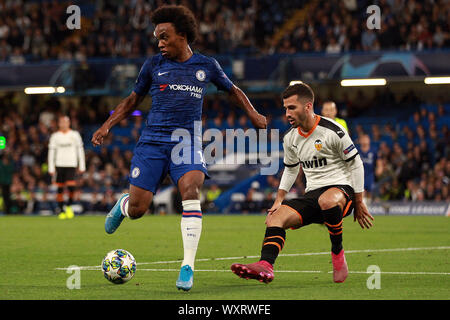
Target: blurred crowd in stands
<point>411,162</point>
<point>337,26</point>
<point>412,153</point>
<point>36,30</point>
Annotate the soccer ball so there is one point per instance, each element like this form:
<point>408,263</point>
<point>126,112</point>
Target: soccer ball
<point>118,266</point>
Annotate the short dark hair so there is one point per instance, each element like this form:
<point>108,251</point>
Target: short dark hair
<point>180,16</point>
<point>303,91</point>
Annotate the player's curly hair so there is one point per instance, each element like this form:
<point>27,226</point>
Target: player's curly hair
<point>180,16</point>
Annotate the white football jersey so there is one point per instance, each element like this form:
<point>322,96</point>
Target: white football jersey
<point>65,149</point>
<point>323,153</point>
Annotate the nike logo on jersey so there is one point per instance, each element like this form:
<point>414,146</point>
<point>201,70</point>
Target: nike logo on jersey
<point>162,73</point>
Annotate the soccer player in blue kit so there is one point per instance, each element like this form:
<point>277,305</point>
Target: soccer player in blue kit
<point>369,158</point>
<point>176,79</point>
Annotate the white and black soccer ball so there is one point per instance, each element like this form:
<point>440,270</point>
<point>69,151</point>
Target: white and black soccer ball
<point>119,266</point>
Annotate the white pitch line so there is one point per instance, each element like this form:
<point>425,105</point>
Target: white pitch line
<point>281,255</point>
<point>401,272</point>
<point>222,270</point>
<point>285,271</point>
<point>308,254</point>
<point>316,271</point>
<point>366,251</point>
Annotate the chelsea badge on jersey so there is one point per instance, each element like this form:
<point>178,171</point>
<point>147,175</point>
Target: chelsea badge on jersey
<point>200,75</point>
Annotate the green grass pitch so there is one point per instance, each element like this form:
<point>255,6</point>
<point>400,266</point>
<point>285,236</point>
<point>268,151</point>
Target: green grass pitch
<point>411,252</point>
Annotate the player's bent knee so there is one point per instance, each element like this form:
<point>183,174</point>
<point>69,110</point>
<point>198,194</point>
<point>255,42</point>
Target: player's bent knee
<point>283,218</point>
<point>271,221</point>
<point>136,211</point>
<point>331,198</point>
<point>327,203</point>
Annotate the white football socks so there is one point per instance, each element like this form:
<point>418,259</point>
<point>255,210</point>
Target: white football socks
<point>191,229</point>
<point>124,205</point>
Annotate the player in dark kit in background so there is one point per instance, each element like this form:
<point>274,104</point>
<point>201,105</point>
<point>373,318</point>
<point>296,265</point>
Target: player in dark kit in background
<point>369,158</point>
<point>176,79</point>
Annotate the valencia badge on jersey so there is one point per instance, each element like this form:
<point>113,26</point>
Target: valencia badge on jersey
<point>318,145</point>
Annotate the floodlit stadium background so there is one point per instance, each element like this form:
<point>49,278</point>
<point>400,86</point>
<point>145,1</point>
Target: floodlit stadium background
<point>400,96</point>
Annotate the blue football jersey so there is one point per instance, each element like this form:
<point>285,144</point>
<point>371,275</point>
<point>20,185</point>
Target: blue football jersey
<point>177,90</point>
<point>369,159</point>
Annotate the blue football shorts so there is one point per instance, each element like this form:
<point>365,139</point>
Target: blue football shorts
<point>151,163</point>
<point>369,184</point>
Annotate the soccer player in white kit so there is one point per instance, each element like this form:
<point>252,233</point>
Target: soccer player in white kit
<point>65,156</point>
<point>334,185</point>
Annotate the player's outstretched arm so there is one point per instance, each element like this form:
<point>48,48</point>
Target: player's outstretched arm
<point>122,111</point>
<point>258,120</point>
<point>360,213</point>
<point>288,178</point>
